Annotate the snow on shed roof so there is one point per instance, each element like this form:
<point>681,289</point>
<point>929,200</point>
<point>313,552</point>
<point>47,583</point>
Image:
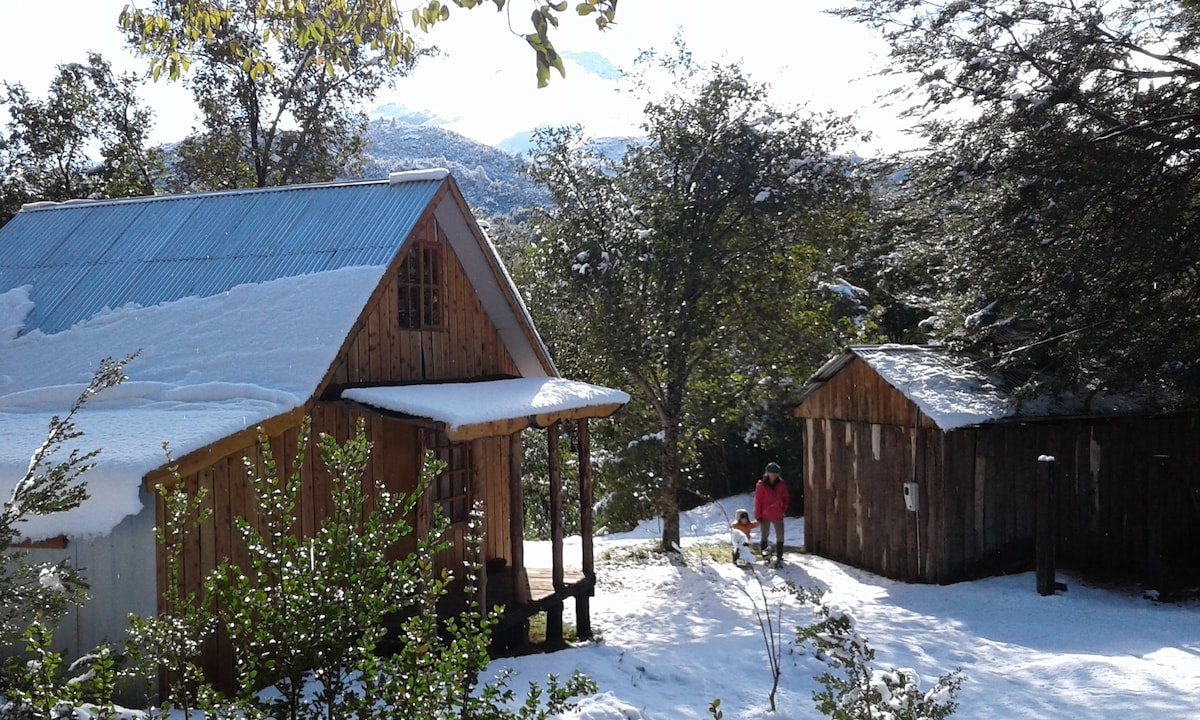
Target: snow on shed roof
<point>947,388</point>
<point>954,392</point>
<point>458,406</point>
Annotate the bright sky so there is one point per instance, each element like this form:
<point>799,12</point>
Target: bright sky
<point>486,82</point>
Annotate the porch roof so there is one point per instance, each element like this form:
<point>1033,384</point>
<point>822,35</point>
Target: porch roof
<point>490,408</point>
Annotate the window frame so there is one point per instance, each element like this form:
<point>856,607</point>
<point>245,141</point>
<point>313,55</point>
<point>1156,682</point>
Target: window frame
<point>420,288</point>
<point>451,489</point>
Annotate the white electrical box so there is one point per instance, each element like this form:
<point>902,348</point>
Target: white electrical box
<point>912,498</point>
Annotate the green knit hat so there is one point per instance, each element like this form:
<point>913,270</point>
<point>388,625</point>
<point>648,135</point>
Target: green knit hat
<point>772,468</point>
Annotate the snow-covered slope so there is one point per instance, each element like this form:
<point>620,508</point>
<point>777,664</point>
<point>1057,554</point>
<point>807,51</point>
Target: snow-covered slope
<point>674,638</point>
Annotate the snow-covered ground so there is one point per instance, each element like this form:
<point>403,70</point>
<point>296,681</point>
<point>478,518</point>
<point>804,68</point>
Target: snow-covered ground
<point>673,638</point>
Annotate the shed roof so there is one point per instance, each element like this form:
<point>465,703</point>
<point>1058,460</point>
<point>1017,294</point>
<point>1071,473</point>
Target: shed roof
<point>954,391</point>
<point>950,390</point>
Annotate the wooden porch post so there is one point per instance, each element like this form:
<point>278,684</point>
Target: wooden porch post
<point>554,615</point>
<point>516,521</point>
<point>583,618</point>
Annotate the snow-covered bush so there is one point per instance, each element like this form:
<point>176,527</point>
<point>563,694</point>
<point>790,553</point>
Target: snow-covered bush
<point>34,595</point>
<point>855,690</point>
<point>307,615</point>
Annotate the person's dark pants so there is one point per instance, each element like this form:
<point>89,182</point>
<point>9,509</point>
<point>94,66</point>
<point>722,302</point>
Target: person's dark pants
<point>764,531</point>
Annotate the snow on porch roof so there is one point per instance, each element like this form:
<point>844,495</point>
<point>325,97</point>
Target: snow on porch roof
<point>470,410</point>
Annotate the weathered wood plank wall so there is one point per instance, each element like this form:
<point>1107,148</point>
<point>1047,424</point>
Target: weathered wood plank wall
<point>977,491</point>
<point>1104,488</point>
<point>466,346</point>
<point>854,497</point>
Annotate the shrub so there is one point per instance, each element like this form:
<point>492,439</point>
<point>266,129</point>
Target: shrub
<point>34,595</point>
<point>854,690</point>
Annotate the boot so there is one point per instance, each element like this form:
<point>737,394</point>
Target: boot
<point>763,548</point>
<point>778,553</point>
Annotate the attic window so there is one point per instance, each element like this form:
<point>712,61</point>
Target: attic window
<point>450,489</point>
<point>420,301</point>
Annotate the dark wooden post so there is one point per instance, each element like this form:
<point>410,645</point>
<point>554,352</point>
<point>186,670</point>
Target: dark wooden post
<point>583,620</point>
<point>1156,511</point>
<point>516,521</point>
<point>1045,548</point>
<point>554,615</point>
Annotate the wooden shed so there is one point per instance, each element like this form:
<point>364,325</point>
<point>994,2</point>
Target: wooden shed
<point>921,468</point>
<point>379,301</point>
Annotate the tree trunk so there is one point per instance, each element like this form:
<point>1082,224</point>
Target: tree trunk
<point>668,501</point>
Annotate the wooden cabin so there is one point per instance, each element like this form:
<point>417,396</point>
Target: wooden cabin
<point>921,468</point>
<point>377,301</point>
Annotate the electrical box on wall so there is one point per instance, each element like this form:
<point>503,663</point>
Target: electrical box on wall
<point>912,498</point>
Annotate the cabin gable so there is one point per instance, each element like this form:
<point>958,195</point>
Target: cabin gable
<point>464,344</point>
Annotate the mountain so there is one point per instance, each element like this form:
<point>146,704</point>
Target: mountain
<point>595,64</point>
<point>490,179</point>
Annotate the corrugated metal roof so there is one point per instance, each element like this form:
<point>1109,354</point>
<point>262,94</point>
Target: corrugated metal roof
<point>81,257</point>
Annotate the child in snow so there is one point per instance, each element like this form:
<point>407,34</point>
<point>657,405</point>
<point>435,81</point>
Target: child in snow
<point>770,504</point>
<point>740,536</point>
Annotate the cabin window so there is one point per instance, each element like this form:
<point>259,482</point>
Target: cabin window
<point>450,488</point>
<point>421,287</point>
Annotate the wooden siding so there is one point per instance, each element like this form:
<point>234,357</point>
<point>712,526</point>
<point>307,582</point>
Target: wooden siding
<point>466,346</point>
<point>1105,495</point>
<point>978,489</point>
<point>854,496</point>
<point>858,394</point>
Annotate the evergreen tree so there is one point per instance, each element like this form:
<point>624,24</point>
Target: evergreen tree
<point>685,270</point>
<point>1052,224</point>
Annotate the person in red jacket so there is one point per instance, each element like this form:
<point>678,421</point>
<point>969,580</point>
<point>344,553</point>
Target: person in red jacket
<point>770,505</point>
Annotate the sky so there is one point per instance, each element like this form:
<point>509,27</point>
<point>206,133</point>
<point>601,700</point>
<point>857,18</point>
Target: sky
<point>485,82</point>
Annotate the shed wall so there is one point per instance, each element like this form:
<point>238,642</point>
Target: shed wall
<point>1109,499</point>
<point>1116,514</point>
<point>854,496</point>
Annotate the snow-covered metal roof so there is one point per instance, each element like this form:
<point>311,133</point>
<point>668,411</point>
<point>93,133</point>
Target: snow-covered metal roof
<point>83,257</point>
<point>237,301</point>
